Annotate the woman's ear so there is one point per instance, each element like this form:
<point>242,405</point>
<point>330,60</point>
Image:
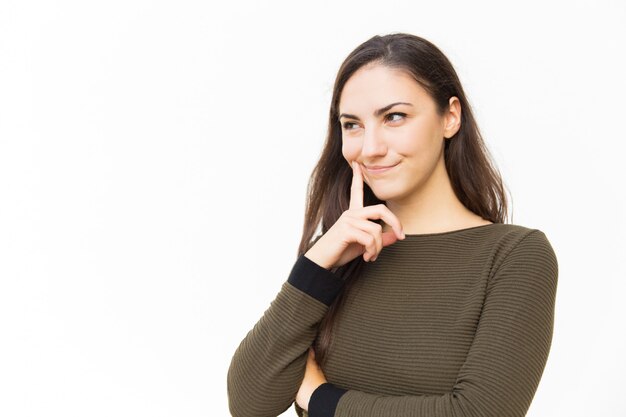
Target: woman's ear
<point>452,118</point>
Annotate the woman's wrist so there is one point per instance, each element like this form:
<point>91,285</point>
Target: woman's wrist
<point>313,256</point>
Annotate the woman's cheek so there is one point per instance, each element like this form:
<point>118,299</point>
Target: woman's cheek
<point>350,151</point>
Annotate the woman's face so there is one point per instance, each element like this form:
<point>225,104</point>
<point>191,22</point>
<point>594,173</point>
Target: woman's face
<point>409,137</point>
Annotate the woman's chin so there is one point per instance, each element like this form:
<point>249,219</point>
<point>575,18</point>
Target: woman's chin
<point>383,194</point>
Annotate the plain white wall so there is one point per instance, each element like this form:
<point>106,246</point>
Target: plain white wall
<point>153,163</point>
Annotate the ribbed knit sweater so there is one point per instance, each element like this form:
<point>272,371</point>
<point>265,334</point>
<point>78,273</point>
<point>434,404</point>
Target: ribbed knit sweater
<point>452,324</point>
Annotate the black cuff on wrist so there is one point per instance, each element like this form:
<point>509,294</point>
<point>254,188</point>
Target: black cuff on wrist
<point>324,400</point>
<point>313,279</point>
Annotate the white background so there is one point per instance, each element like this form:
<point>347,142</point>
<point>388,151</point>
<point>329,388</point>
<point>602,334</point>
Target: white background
<point>153,163</point>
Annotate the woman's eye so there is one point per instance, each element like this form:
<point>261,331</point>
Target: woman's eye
<point>347,125</point>
<point>396,114</point>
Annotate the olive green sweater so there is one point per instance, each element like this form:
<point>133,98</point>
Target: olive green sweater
<point>452,324</point>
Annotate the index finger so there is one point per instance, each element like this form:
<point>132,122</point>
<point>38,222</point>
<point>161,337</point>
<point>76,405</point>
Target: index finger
<point>356,189</point>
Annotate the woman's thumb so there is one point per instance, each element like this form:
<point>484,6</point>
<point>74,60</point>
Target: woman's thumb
<point>389,238</point>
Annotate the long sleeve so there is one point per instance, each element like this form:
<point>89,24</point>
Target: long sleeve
<point>507,357</point>
<point>268,367</point>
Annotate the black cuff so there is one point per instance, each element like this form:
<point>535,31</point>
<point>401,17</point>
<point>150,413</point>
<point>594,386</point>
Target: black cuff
<point>324,400</point>
<point>315,280</point>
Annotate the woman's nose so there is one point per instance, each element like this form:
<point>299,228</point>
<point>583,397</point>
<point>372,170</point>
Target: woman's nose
<point>373,143</point>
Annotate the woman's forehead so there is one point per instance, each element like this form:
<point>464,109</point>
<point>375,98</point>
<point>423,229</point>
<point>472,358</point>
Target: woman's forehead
<point>371,88</point>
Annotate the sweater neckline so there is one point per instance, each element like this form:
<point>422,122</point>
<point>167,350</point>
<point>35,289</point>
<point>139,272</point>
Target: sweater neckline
<point>449,232</point>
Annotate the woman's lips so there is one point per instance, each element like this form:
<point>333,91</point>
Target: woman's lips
<point>377,169</point>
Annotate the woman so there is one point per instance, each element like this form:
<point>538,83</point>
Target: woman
<point>416,299</point>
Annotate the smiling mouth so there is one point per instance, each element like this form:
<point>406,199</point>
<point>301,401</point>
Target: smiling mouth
<point>376,169</point>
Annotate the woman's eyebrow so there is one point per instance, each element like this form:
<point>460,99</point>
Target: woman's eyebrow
<point>377,112</point>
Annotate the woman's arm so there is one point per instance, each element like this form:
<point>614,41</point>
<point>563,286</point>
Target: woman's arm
<point>268,366</point>
<point>507,357</point>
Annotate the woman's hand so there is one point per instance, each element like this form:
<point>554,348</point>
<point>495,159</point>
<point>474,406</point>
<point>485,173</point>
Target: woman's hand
<point>353,233</point>
<point>313,378</point>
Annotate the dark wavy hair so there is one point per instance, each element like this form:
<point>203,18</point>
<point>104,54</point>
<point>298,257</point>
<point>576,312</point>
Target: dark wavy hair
<point>475,179</point>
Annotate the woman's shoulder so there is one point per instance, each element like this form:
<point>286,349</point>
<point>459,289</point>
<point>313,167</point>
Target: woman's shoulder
<point>514,234</point>
<point>501,236</point>
<point>523,243</point>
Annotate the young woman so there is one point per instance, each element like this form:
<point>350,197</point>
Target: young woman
<point>416,299</point>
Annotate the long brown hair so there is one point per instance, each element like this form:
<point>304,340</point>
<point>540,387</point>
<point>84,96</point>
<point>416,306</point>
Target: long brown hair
<point>475,180</point>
